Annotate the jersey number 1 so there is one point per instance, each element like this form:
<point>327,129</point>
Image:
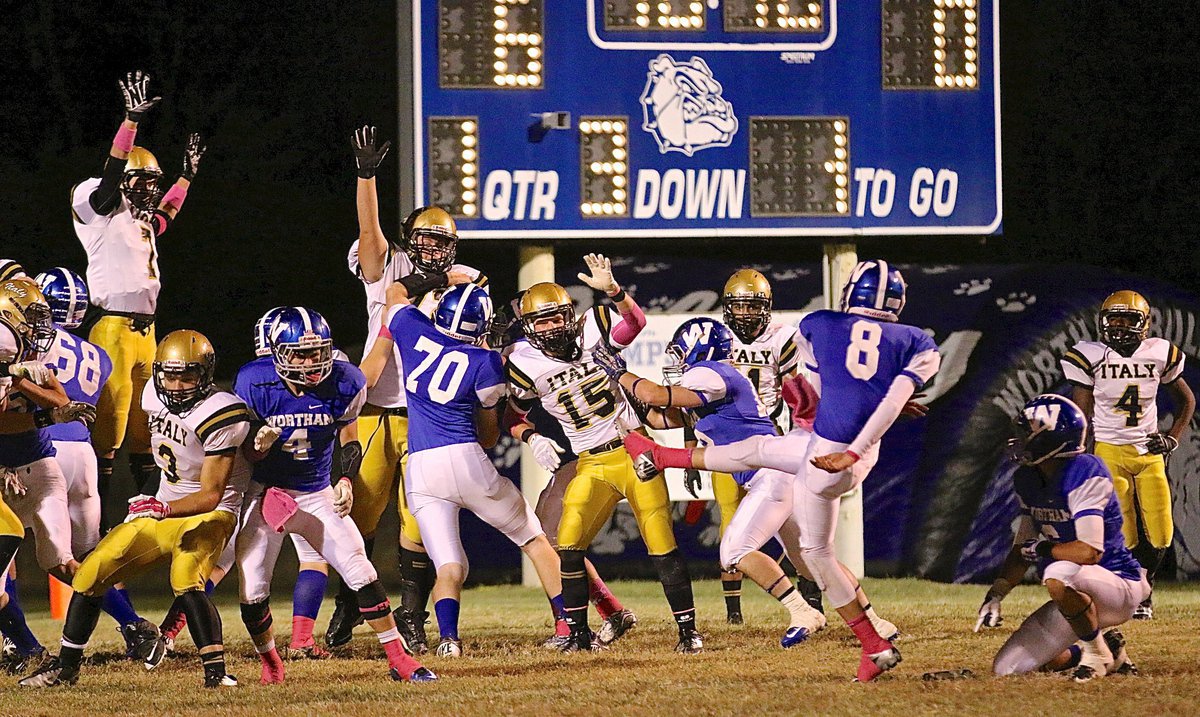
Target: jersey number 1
<point>862,355</point>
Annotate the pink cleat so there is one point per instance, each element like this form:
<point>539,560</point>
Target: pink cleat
<point>272,667</point>
<point>874,664</point>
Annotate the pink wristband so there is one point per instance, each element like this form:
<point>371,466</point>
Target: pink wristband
<point>124,139</point>
<point>853,455</point>
<point>175,196</point>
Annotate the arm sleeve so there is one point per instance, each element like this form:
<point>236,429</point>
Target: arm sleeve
<point>81,205</point>
<point>1173,369</point>
<point>885,414</point>
<point>1076,368</point>
<point>107,194</point>
<point>629,327</point>
<point>490,388</point>
<point>1090,497</point>
<point>705,382</point>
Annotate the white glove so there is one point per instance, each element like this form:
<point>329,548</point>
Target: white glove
<point>546,452</point>
<point>12,482</point>
<point>601,278</point>
<point>266,437</point>
<point>35,371</point>
<point>343,497</point>
<point>989,613</point>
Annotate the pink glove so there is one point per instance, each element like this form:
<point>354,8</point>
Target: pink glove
<point>146,506</point>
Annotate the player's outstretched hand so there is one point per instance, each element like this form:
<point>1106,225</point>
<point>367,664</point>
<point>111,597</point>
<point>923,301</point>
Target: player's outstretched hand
<point>601,276</point>
<point>13,485</point>
<point>835,462</point>
<point>34,371</point>
<point>343,497</point>
<point>691,481</point>
<point>265,438</point>
<point>85,413</point>
<point>989,613</point>
<point>609,360</point>
<point>913,409</point>
<point>135,88</point>
<point>546,452</point>
<point>1161,444</point>
<point>366,155</point>
<point>191,156</point>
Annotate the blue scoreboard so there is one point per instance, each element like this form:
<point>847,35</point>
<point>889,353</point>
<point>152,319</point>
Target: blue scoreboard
<point>699,118</point>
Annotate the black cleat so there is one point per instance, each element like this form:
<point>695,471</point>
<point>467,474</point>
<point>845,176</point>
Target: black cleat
<point>616,625</point>
<point>1144,611</point>
<point>734,618</point>
<point>412,628</point>
<point>582,641</point>
<point>421,674</point>
<point>1122,665</point>
<point>16,664</point>
<point>214,680</point>
<point>51,673</point>
<point>345,618</point>
<point>691,642</point>
<point>144,642</point>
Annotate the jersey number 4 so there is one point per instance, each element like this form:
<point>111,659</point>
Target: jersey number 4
<point>862,355</point>
<point>1131,405</point>
<point>441,389</point>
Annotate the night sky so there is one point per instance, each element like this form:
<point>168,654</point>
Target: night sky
<point>1101,151</point>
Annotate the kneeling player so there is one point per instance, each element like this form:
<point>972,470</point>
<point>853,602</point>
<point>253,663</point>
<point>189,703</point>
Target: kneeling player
<point>708,393</point>
<point>1071,529</point>
<point>195,432</point>
<point>455,390</point>
<point>304,404</point>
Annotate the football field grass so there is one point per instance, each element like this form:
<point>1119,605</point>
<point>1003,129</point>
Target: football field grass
<point>742,671</point>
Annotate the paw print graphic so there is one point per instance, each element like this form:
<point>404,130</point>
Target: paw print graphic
<point>651,268</point>
<point>939,269</point>
<point>1016,301</point>
<point>973,287</point>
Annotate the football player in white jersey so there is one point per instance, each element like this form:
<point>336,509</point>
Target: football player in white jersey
<point>119,217</point>
<point>196,431</point>
<point>553,365</point>
<point>424,262</point>
<point>764,352</point>
<point>1116,382</point>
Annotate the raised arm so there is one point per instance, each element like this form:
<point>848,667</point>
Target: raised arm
<point>372,244</point>
<point>173,201</point>
<point>135,89</point>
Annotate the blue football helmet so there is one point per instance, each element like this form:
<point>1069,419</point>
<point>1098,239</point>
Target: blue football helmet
<point>1049,426</point>
<point>262,331</point>
<point>875,289</point>
<point>464,313</point>
<point>696,340</point>
<point>67,295</point>
<point>302,346</point>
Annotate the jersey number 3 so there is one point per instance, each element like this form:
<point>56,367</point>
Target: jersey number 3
<point>862,355</point>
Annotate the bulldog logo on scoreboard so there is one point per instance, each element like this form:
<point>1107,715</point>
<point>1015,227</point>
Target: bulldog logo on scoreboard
<point>683,108</point>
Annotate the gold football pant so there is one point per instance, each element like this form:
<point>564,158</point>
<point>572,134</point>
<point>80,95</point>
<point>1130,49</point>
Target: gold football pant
<point>10,524</point>
<point>384,436</point>
<point>1140,482</point>
<point>729,496</point>
<point>120,406</point>
<point>601,481</point>
<point>193,544</point>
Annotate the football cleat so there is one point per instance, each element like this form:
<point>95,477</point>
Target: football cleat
<point>616,625</point>
<point>16,664</point>
<point>583,641</point>
<point>144,641</point>
<point>8,650</point>
<point>1144,611</point>
<point>690,642</point>
<point>215,680</point>
<point>1086,673</point>
<point>169,644</point>
<point>421,674</point>
<point>874,664</point>
<point>1122,665</point>
<point>734,617</point>
<point>345,618</point>
<point>449,647</point>
<point>556,642</point>
<point>306,652</point>
<point>51,674</point>
<point>794,636</point>
<point>412,628</point>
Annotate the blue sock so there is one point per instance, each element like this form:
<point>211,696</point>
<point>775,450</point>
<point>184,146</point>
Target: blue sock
<point>446,610</point>
<point>116,603</point>
<point>1076,653</point>
<point>13,625</point>
<point>209,586</point>
<point>308,593</point>
<point>556,604</point>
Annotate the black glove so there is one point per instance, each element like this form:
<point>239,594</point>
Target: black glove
<point>192,155</point>
<point>497,337</point>
<point>691,481</point>
<point>609,360</point>
<point>1161,444</point>
<point>366,156</point>
<point>135,90</point>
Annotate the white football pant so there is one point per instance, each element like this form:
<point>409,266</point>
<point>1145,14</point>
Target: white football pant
<point>78,463</point>
<point>43,509</point>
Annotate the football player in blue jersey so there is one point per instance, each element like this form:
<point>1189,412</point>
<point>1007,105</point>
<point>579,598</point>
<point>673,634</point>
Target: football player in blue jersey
<point>705,391</point>
<point>305,403</point>
<point>868,366</point>
<point>1070,530</point>
<point>455,394</point>
<point>313,574</point>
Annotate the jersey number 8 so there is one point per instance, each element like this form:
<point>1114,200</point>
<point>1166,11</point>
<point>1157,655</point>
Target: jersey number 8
<point>862,355</point>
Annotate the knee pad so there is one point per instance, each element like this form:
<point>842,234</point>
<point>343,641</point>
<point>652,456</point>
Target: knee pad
<point>672,570</point>
<point>1062,570</point>
<point>731,555</point>
<point>373,600</point>
<point>257,616</point>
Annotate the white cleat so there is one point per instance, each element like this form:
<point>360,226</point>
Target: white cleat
<point>449,647</point>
